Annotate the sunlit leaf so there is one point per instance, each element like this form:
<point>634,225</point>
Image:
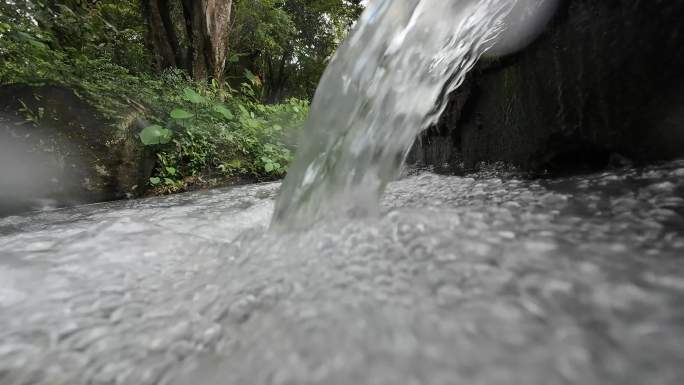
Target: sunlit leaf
<point>223,111</point>
<point>252,78</point>
<point>180,114</point>
<point>192,96</point>
<point>155,134</point>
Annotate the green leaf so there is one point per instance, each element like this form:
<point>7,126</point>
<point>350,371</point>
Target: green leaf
<point>181,114</point>
<point>236,163</point>
<point>192,96</point>
<point>269,167</point>
<point>37,44</point>
<point>23,36</point>
<point>171,170</point>
<point>266,159</point>
<point>168,181</point>
<point>223,111</point>
<point>165,136</point>
<point>252,78</point>
<point>155,134</point>
<point>155,181</point>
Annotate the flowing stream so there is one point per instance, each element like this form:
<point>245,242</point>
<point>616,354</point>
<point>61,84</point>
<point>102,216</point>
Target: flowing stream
<point>488,279</point>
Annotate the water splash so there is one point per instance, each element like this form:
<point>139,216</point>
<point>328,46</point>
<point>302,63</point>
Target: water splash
<point>386,83</point>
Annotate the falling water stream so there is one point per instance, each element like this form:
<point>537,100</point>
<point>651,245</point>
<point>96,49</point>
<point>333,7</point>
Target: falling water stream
<point>387,82</point>
<point>489,279</point>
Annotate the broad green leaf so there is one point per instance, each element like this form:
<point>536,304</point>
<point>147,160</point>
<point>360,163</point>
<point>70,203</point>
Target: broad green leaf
<point>252,78</point>
<point>171,170</point>
<point>265,159</point>
<point>269,167</point>
<point>180,114</point>
<point>155,134</point>
<point>23,36</point>
<point>37,44</point>
<point>192,96</point>
<point>168,181</point>
<point>155,181</point>
<point>223,111</point>
<point>165,136</point>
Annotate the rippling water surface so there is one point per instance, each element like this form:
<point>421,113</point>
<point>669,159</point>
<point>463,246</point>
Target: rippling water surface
<point>488,279</point>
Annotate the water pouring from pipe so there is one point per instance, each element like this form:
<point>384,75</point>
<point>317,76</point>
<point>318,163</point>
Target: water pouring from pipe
<point>388,82</point>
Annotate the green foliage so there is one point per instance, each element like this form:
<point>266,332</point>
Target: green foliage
<point>196,129</point>
<point>217,133</point>
<point>180,114</point>
<point>286,44</point>
<point>155,134</point>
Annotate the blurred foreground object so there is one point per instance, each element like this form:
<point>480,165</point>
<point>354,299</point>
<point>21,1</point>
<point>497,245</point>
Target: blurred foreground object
<point>56,150</point>
<point>524,23</point>
<point>29,179</point>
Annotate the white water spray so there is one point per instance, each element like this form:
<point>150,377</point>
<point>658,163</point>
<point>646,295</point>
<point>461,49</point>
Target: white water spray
<point>387,82</point>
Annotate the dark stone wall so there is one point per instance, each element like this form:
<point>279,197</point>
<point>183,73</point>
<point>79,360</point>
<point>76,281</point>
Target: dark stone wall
<point>605,82</point>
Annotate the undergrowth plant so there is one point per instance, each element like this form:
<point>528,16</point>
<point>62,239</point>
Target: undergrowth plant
<point>203,130</point>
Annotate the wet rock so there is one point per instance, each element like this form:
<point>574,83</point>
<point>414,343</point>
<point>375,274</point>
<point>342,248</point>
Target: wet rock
<point>600,88</point>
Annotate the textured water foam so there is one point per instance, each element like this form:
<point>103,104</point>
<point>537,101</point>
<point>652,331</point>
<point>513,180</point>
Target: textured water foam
<point>489,279</point>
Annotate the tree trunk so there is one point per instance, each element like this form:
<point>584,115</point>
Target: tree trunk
<point>209,27</point>
<point>206,27</point>
<point>161,35</point>
<point>276,80</point>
